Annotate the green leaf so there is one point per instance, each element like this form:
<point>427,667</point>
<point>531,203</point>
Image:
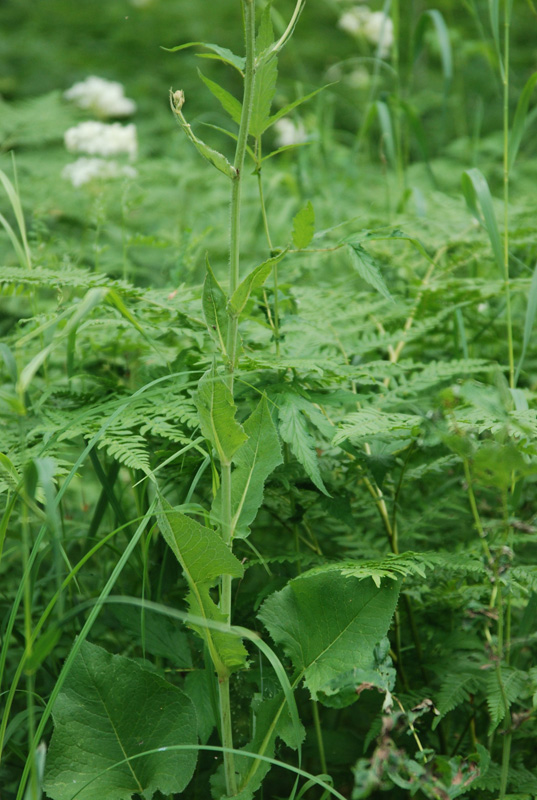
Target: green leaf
<point>294,431</point>
<point>513,686</point>
<point>386,127</point>
<point>265,77</point>
<point>216,410</point>
<point>531,310</point>
<point>254,462</point>
<point>212,156</point>
<point>289,107</point>
<point>304,227</point>
<point>198,686</point>
<point>367,268</point>
<point>157,634</point>
<point>204,558</point>
<point>229,103</point>
<point>370,422</point>
<point>444,42</point>
<point>110,709</point>
<point>221,53</point>
<point>214,304</point>
<point>478,198</point>
<point>329,624</point>
<point>253,281</point>
<point>519,122</point>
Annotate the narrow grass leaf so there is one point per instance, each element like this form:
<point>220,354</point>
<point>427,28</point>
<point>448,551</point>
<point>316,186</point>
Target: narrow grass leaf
<point>304,226</point>
<point>478,198</point>
<point>531,310</point>
<point>519,122</point>
<point>444,43</point>
<point>386,129</point>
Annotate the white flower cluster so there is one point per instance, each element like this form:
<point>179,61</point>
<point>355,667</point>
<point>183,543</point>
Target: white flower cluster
<point>84,170</point>
<point>94,138</point>
<point>289,132</point>
<point>375,26</point>
<point>101,139</point>
<point>104,98</point>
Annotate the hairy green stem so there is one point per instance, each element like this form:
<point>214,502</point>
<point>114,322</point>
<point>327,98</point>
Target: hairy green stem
<point>505,77</point>
<point>248,8</point>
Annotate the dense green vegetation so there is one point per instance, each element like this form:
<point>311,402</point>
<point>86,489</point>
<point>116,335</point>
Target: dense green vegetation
<point>268,396</point>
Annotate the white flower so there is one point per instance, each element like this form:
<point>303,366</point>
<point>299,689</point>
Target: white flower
<point>100,139</point>
<point>104,98</point>
<point>84,170</point>
<point>289,132</point>
<point>482,308</point>
<point>359,78</point>
<point>379,31</point>
<point>375,26</point>
<point>354,20</point>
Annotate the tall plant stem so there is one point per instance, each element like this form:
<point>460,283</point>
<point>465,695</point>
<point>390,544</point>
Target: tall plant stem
<point>248,9</point>
<point>505,78</point>
<point>275,310</point>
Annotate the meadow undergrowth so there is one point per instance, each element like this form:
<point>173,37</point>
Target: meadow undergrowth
<point>268,401</point>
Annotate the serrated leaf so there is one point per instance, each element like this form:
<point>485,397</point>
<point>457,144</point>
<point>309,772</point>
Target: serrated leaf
<point>294,431</point>
<point>254,462</point>
<point>371,422</point>
<point>204,557</point>
<point>214,303</point>
<point>304,226</point>
<point>229,103</point>
<point>222,53</point>
<point>329,624</point>
<point>513,686</point>
<point>253,281</point>
<point>217,410</point>
<point>368,269</point>
<point>110,709</point>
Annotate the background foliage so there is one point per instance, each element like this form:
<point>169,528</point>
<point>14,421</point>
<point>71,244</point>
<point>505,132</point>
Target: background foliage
<point>402,451</point>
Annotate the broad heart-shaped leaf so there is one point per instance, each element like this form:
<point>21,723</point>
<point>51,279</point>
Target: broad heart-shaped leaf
<point>111,709</point>
<point>254,462</point>
<point>204,558</point>
<point>304,226</point>
<point>266,77</point>
<point>366,267</point>
<point>253,281</point>
<point>214,303</point>
<point>329,624</point>
<point>294,431</point>
<point>217,410</point>
<point>229,103</point>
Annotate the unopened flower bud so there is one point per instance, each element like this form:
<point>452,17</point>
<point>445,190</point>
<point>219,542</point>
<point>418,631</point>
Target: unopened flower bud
<point>178,99</point>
